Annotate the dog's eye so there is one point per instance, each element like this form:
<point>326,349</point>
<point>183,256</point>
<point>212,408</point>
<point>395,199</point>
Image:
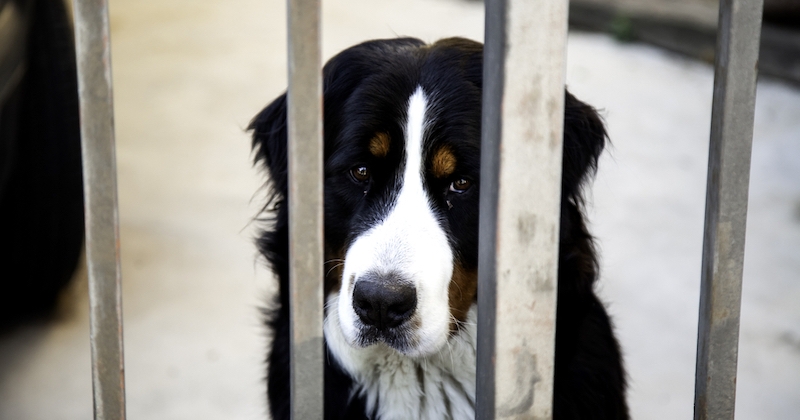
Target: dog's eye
<point>360,173</point>
<point>460,185</point>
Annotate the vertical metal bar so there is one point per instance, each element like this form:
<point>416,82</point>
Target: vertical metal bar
<point>726,207</point>
<point>523,116</point>
<point>304,121</point>
<point>93,47</point>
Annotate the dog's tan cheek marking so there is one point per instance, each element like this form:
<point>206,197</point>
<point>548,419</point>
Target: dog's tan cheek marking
<point>462,292</point>
<point>334,264</point>
<point>379,145</point>
<point>443,163</point>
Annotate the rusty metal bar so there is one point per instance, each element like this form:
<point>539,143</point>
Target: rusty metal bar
<point>304,121</point>
<point>726,207</point>
<point>523,116</point>
<point>93,49</point>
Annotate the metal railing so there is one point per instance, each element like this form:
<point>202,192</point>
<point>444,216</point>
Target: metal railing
<point>523,118</point>
<point>304,124</point>
<point>93,50</point>
<point>726,207</point>
<point>515,361</point>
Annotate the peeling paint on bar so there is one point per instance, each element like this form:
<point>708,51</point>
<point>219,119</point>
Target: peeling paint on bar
<point>726,207</point>
<point>523,119</point>
<point>93,49</point>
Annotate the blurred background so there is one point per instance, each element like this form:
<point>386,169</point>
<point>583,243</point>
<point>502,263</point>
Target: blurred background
<point>189,75</point>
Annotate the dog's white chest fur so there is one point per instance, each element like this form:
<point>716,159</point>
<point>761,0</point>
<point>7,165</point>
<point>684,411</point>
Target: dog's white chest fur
<point>394,386</point>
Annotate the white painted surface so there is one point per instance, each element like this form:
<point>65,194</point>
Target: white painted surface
<point>188,77</point>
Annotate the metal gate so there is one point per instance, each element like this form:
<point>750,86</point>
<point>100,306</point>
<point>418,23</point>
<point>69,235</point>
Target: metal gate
<point>507,346</point>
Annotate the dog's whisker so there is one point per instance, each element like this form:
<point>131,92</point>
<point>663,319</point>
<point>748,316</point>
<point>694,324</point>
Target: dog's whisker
<point>333,268</point>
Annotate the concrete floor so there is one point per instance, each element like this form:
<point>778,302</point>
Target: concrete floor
<point>190,74</point>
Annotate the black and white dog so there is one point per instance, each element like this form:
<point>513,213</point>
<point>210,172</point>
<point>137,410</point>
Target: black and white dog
<point>402,154</point>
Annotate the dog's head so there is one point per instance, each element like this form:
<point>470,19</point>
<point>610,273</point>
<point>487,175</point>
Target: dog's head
<point>402,182</point>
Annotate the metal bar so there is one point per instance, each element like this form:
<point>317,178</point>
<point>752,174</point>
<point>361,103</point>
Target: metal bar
<point>726,207</point>
<point>93,49</point>
<point>304,121</point>
<point>523,116</point>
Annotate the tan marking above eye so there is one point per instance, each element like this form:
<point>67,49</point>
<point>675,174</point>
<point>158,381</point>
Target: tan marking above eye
<point>443,163</point>
<point>379,145</point>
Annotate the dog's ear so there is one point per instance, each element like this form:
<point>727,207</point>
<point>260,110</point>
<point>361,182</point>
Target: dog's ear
<point>269,143</point>
<point>584,139</point>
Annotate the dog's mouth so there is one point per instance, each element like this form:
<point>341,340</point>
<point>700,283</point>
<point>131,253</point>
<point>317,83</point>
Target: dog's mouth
<point>399,338</point>
<point>411,338</point>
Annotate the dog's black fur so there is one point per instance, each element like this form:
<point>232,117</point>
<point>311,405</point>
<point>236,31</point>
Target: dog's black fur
<point>364,86</point>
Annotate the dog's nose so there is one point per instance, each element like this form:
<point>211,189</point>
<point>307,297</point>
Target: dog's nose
<point>383,303</point>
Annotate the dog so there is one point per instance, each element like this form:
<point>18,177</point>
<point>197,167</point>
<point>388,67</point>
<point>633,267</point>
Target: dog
<point>401,184</point>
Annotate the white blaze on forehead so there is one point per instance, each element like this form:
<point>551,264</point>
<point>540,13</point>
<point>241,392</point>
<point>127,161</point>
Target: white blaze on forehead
<point>415,131</point>
<point>409,242</point>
